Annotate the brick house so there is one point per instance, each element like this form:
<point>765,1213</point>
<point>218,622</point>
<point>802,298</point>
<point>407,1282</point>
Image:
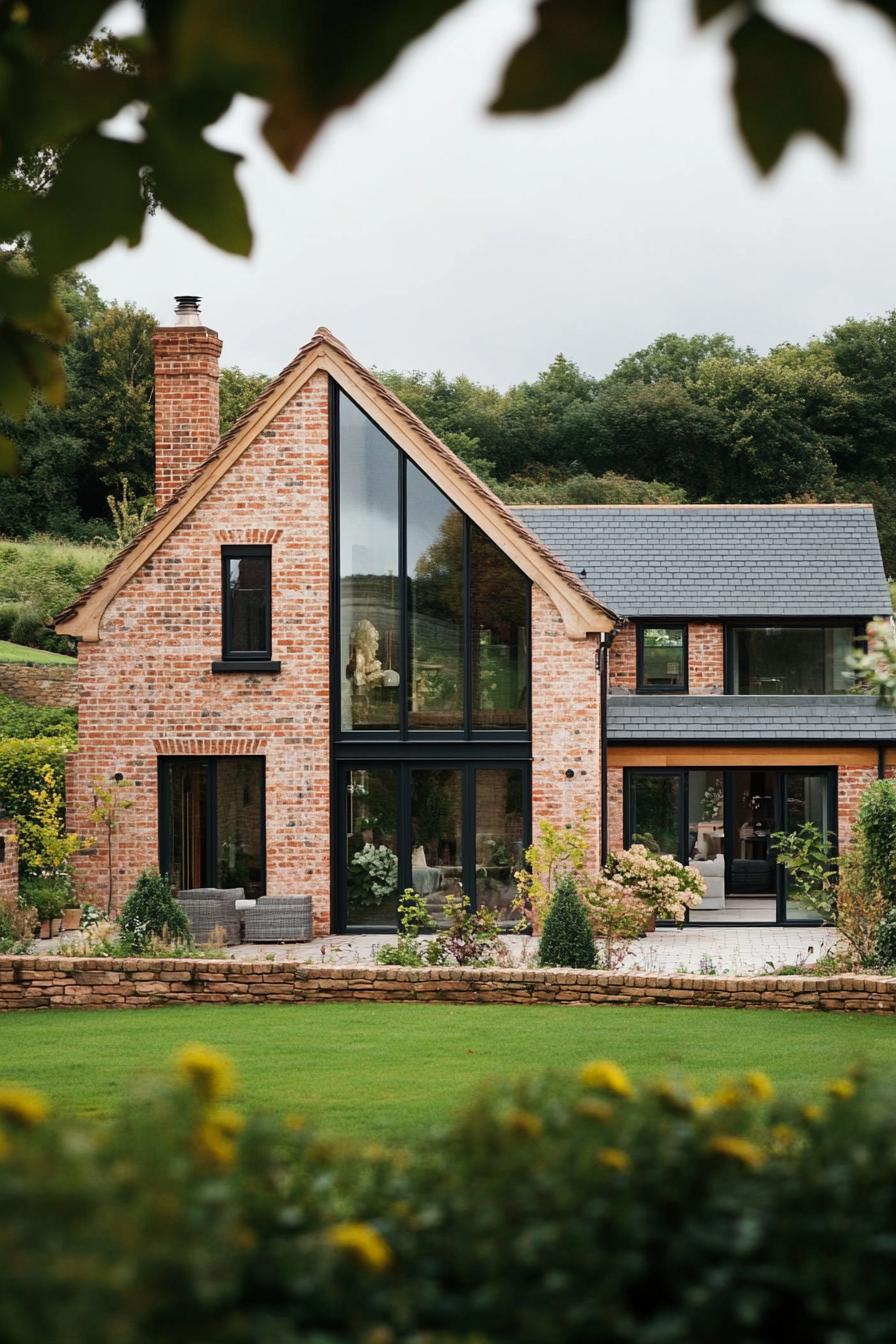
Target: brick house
<point>335,664</point>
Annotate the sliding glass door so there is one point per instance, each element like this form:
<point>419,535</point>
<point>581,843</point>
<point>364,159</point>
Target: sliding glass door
<point>211,822</point>
<point>723,823</point>
<point>437,828</point>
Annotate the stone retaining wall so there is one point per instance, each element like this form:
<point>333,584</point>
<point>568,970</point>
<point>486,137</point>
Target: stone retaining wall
<point>66,982</point>
<point>50,685</point>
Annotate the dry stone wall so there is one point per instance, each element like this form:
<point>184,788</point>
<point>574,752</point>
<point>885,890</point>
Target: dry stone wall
<point>49,685</point>
<point>60,982</point>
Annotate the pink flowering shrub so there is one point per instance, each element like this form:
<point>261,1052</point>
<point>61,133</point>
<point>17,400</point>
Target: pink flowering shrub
<point>666,886</point>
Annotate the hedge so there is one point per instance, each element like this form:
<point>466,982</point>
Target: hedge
<point>21,763</point>
<point>562,1208</point>
<point>20,720</point>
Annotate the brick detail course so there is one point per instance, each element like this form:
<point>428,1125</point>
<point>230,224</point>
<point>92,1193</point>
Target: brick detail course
<point>51,685</point>
<point>249,536</point>
<point>61,982</point>
<point>186,403</point>
<point>565,724</point>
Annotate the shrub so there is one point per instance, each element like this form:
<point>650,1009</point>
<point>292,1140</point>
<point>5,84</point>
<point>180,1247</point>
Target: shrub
<point>567,939</point>
<point>151,911</point>
<point>617,917</point>
<point>37,579</point>
<point>876,826</point>
<point>666,886</point>
<point>557,850</point>
<point>20,720</point>
<point>562,1208</point>
<point>885,939</point>
<point>23,766</point>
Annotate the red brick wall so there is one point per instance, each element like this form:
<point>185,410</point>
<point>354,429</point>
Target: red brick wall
<point>623,671</point>
<point>614,809</point>
<point>147,688</point>
<point>852,781</point>
<point>565,724</point>
<point>186,402</point>
<point>9,864</point>
<point>706,658</point>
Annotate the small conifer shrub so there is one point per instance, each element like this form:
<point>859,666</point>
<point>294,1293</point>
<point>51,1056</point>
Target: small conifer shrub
<point>151,911</point>
<point>567,939</point>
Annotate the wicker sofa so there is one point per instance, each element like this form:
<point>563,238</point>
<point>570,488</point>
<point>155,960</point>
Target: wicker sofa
<point>212,908</point>
<point>279,919</point>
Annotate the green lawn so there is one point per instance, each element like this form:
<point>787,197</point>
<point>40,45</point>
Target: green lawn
<point>19,653</point>
<point>386,1071</point>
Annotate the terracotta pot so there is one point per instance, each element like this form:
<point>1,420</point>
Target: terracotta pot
<point>651,923</point>
<point>71,919</point>
<point>55,926</point>
<point>44,931</point>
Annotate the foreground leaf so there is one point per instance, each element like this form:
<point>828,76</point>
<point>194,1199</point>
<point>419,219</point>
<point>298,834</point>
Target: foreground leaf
<point>576,41</point>
<point>784,85</point>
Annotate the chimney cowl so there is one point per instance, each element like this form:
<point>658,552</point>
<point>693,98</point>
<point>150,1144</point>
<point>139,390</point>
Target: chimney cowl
<point>187,311</point>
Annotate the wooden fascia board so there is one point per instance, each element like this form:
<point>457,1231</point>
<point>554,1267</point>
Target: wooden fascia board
<point>733,755</point>
<point>580,618</point>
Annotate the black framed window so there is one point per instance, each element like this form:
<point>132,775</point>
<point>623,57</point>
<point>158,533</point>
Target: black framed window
<point>792,659</point>
<point>212,822</point>
<point>432,637</point>
<point>662,658</point>
<point>246,603</point>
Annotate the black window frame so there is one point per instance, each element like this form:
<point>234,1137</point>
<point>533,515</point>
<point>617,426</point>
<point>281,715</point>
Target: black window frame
<point>680,688</point>
<point>229,655</point>
<point>858,625</point>
<point>210,877</point>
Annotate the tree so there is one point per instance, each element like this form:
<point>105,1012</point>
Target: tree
<point>73,187</point>
<point>673,358</point>
<point>567,939</point>
<point>237,391</point>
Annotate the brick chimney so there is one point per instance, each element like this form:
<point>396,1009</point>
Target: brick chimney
<point>186,394</point>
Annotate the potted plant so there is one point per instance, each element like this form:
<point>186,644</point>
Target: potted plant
<point>71,917</point>
<point>48,897</point>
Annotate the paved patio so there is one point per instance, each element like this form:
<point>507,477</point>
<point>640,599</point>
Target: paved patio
<point>719,951</point>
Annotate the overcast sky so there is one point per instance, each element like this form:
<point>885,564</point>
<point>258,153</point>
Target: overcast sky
<point>428,235</point>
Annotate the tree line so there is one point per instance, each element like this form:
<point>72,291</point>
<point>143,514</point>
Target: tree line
<point>688,419</point>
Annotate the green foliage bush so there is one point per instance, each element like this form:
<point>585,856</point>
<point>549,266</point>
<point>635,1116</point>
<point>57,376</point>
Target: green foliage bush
<point>877,826</point>
<point>151,911</point>
<point>567,939</point>
<point>562,1208</point>
<point>23,762</point>
<point>885,939</point>
<point>20,720</point>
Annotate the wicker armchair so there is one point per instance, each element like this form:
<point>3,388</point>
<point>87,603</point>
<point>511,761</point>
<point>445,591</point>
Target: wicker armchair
<point>211,908</point>
<point>279,919</point>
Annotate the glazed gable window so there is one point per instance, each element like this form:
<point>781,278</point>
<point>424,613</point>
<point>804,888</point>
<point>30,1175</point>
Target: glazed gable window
<point>246,602</point>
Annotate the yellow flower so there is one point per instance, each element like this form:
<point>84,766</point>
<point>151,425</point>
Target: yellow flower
<point>363,1243</point>
<point>844,1088</point>
<point>812,1113</point>
<point>728,1096</point>
<point>208,1071</point>
<point>759,1085</point>
<point>594,1109</point>
<point>229,1121</point>
<point>213,1145</point>
<point>524,1122</point>
<point>702,1105</point>
<point>294,1121</point>
<point>604,1075</point>
<point>22,1106</point>
<point>614,1158</point>
<point>741,1150</point>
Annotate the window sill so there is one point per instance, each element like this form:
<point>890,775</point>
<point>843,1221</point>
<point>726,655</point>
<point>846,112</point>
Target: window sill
<point>246,665</point>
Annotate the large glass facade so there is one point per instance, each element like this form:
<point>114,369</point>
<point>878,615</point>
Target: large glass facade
<point>369,579</point>
<point>212,822</point>
<point>791,660</point>
<point>431,725</point>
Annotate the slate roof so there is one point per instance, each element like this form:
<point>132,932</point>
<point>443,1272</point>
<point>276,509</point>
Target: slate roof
<point>721,560</point>
<point>743,718</point>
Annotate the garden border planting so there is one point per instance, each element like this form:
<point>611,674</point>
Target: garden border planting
<point>88,982</point>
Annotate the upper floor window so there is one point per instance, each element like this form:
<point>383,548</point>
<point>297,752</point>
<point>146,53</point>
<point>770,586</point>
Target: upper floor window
<point>246,589</point>
<point>434,618</point>
<point>791,660</point>
<point>662,658</point>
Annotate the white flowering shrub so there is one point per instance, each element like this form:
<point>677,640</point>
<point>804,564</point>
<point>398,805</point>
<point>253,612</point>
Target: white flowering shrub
<point>377,868</point>
<point>666,886</point>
